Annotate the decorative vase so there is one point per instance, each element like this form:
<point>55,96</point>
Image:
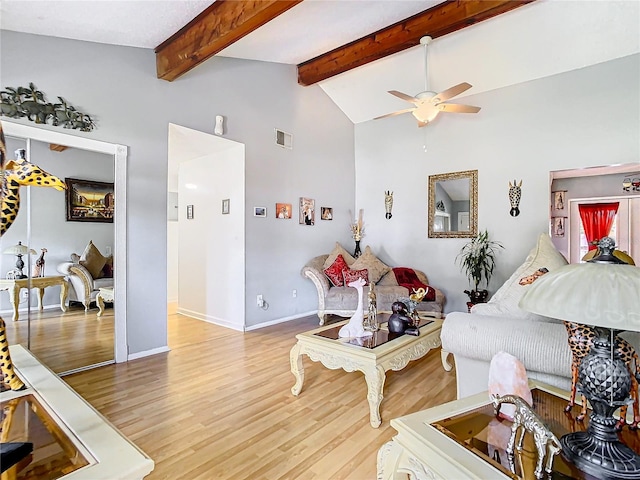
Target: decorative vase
<point>357,251</point>
<point>477,296</point>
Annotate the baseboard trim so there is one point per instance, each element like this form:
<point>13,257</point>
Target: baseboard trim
<point>209,319</point>
<point>280,320</point>
<point>34,309</point>
<point>148,353</point>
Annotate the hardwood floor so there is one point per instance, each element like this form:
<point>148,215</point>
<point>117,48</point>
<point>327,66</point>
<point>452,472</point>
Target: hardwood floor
<point>219,406</point>
<point>66,341</point>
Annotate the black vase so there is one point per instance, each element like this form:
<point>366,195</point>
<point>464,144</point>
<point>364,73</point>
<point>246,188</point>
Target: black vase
<point>357,251</point>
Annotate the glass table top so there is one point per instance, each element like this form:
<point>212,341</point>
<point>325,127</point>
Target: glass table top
<point>487,436</point>
<point>24,419</point>
<point>378,338</point>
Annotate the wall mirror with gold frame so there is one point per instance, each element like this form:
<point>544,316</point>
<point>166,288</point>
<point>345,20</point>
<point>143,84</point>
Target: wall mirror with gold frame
<point>453,205</point>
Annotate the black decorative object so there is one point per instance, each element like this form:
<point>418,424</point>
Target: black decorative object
<point>357,252</point>
<point>30,103</point>
<point>400,321</point>
<point>515,194</point>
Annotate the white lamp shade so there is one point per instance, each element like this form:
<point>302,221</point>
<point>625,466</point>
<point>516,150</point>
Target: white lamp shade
<point>19,249</point>
<point>597,294</point>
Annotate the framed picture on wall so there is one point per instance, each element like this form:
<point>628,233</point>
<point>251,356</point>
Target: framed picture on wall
<point>307,211</point>
<point>259,211</point>
<point>283,210</point>
<point>559,199</point>
<point>326,213</point>
<point>89,201</point>
<point>558,226</point>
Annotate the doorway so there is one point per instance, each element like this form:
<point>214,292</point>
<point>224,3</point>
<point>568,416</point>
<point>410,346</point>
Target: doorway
<point>35,140</point>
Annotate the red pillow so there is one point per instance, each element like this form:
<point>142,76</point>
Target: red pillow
<point>353,275</point>
<point>334,272</point>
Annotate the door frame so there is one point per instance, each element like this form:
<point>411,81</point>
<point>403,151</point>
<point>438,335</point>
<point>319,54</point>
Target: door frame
<point>119,153</point>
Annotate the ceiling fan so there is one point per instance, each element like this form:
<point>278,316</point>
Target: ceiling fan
<point>428,104</point>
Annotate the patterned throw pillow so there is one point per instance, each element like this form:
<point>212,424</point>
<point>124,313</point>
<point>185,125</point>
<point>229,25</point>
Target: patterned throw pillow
<point>334,272</point>
<point>352,275</point>
<point>369,261</point>
<point>338,250</point>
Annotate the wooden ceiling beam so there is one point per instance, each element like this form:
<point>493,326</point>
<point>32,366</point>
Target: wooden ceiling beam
<point>439,20</point>
<point>218,26</point>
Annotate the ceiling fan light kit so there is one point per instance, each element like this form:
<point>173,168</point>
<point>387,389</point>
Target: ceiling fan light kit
<point>428,104</point>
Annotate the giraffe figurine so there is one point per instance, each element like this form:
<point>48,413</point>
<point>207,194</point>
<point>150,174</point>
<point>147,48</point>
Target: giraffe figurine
<point>581,338</point>
<point>526,420</point>
<point>354,328</point>
<point>9,376</point>
<point>38,269</point>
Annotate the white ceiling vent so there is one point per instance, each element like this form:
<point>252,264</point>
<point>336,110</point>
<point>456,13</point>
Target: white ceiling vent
<point>284,139</point>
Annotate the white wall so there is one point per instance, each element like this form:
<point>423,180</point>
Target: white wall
<point>49,227</point>
<point>587,117</point>
<point>211,254</point>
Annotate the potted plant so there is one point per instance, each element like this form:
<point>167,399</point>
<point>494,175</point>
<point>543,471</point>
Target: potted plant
<point>477,260</point>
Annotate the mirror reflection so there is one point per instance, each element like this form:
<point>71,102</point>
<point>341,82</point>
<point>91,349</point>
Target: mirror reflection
<point>53,311</point>
<point>453,205</point>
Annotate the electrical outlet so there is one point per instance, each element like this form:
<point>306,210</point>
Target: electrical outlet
<point>260,301</point>
<point>25,294</point>
<point>295,293</point>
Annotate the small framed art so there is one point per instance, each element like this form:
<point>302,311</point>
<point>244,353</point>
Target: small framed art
<point>326,213</point>
<point>307,211</point>
<point>283,210</point>
<point>225,206</point>
<point>558,226</point>
<point>559,199</point>
<point>259,211</point>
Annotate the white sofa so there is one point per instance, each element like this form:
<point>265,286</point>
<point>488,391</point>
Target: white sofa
<point>540,343</point>
<point>343,300</point>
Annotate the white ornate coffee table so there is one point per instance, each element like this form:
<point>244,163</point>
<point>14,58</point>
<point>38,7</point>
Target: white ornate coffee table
<point>322,345</point>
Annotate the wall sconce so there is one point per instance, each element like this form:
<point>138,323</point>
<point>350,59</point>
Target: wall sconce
<point>219,128</point>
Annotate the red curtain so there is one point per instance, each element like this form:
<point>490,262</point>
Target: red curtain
<point>597,219</point>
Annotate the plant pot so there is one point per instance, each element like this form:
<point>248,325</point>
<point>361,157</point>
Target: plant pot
<point>477,296</point>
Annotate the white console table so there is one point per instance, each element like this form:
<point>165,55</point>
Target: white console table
<point>109,454</point>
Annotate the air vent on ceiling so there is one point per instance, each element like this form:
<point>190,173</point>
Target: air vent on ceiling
<point>284,139</point>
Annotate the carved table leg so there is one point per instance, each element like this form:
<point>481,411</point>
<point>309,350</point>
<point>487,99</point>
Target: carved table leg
<point>444,356</point>
<point>297,368</point>
<point>14,297</point>
<point>40,298</point>
<point>100,302</point>
<point>64,293</point>
<point>375,384</point>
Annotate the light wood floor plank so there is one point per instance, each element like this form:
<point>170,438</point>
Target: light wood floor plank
<point>219,406</point>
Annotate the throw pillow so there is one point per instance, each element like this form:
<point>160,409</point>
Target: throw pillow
<point>505,300</point>
<point>369,261</point>
<point>334,272</point>
<point>107,270</point>
<point>352,275</point>
<point>93,260</point>
<point>338,250</point>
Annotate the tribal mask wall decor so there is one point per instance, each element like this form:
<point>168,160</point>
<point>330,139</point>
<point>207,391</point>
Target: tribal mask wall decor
<point>388,204</point>
<point>515,193</point>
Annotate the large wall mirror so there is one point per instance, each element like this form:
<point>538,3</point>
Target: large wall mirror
<point>72,338</point>
<point>453,204</point>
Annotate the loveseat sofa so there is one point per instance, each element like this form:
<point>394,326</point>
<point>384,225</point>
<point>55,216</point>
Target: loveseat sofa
<point>87,274</point>
<point>343,300</point>
<point>540,343</point>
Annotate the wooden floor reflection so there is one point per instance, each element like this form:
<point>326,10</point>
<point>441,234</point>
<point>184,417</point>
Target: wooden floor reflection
<point>66,341</point>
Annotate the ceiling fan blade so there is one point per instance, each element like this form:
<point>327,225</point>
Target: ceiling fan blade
<point>451,92</point>
<point>455,108</point>
<point>393,114</point>
<point>404,96</point>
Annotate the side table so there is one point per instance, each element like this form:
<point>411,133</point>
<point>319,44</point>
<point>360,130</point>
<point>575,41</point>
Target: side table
<point>15,285</point>
<point>104,295</point>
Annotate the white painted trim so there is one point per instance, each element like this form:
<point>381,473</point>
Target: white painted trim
<point>210,319</point>
<point>148,353</point>
<point>120,216</point>
<point>34,308</point>
<point>281,320</point>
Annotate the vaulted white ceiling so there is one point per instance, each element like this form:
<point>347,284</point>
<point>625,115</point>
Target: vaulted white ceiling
<point>543,38</point>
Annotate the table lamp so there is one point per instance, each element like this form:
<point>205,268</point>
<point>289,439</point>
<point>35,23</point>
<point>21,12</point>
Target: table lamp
<point>602,293</point>
<point>19,250</point>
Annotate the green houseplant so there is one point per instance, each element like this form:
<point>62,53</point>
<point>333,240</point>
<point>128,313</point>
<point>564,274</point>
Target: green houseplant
<point>477,260</point>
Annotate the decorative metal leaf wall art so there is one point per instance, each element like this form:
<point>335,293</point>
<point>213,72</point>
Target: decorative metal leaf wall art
<point>29,102</point>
